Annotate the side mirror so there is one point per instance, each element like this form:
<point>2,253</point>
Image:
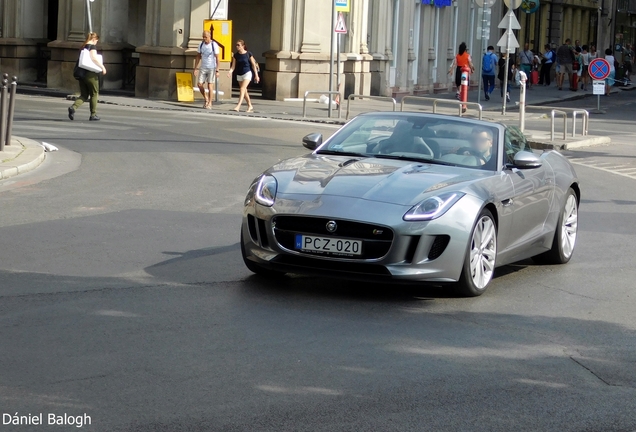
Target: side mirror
<point>527,160</point>
<point>312,141</point>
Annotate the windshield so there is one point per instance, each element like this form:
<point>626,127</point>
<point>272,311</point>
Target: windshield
<point>446,141</point>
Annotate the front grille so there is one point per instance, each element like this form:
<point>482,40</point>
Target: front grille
<point>438,247</point>
<point>376,239</point>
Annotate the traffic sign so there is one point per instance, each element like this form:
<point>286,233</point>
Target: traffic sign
<point>510,21</point>
<point>341,27</point>
<point>599,69</point>
<point>343,5</point>
<point>222,34</point>
<point>508,40</point>
<point>513,4</point>
<point>598,87</point>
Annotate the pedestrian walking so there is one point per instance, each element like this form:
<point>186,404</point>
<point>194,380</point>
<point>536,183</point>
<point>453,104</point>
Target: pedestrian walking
<point>243,63</point>
<point>462,59</point>
<point>565,58</point>
<point>488,71</point>
<point>609,81</point>
<point>501,75</point>
<point>547,61</point>
<point>585,76</point>
<point>206,67</point>
<point>89,83</point>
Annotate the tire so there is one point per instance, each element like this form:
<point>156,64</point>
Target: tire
<point>255,268</point>
<point>565,233</point>
<point>481,255</point>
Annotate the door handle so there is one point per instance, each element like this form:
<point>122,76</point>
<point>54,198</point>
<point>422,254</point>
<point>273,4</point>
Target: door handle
<point>507,202</point>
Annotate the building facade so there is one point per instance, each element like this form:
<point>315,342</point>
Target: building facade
<point>392,47</point>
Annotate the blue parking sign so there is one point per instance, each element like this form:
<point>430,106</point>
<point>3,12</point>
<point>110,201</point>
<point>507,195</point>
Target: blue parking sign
<point>343,5</point>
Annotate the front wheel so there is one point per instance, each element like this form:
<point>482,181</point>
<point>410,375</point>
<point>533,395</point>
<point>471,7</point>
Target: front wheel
<point>479,263</point>
<point>565,233</point>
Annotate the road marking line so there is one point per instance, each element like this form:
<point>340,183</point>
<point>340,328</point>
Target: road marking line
<point>576,162</point>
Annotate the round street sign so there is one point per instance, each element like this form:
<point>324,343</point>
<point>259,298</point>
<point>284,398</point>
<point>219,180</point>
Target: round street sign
<point>599,69</point>
<point>486,3</point>
<point>512,4</point>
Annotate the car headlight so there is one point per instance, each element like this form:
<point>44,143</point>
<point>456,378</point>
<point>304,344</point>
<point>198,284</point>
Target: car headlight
<point>433,207</point>
<point>266,189</point>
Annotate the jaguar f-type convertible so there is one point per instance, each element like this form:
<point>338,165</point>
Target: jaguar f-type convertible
<point>412,197</point>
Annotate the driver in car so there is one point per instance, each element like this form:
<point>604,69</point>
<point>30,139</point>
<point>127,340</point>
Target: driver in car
<point>480,144</point>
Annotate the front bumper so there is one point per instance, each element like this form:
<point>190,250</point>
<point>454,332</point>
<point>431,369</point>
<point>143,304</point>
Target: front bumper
<point>431,251</point>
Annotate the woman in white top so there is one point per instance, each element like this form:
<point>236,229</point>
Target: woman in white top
<point>609,81</point>
<point>593,53</point>
<point>586,63</point>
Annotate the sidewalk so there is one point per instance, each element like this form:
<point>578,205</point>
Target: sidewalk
<point>23,155</point>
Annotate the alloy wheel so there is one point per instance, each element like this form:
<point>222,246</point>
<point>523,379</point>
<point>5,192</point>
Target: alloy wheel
<point>483,252</point>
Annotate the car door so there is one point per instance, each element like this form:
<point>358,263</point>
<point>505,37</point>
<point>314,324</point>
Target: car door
<point>532,193</point>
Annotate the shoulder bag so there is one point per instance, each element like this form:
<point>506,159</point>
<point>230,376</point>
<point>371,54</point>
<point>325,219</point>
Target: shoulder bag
<point>86,62</point>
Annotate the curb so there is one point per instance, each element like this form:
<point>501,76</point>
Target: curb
<point>27,160</point>
<point>545,144</point>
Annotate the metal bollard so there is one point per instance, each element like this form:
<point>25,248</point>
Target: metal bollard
<point>3,111</point>
<point>14,86</point>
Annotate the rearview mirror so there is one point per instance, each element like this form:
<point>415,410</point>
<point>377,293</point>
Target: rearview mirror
<point>527,160</point>
<point>312,141</point>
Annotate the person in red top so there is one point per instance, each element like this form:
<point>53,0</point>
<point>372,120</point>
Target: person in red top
<point>461,59</point>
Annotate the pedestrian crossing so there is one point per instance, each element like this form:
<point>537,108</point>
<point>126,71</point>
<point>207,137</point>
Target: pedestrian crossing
<point>622,169</point>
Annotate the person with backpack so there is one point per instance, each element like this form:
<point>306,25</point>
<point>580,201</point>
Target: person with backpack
<point>488,71</point>
<point>208,59</point>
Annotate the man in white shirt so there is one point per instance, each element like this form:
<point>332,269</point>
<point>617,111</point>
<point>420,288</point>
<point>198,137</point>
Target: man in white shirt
<point>208,58</point>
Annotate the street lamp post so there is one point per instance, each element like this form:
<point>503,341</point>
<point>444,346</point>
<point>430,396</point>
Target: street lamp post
<point>88,15</point>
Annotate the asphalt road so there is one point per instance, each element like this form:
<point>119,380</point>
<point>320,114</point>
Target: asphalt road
<point>123,297</point>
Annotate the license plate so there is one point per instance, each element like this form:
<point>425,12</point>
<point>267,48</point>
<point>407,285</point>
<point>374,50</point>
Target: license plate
<point>328,245</point>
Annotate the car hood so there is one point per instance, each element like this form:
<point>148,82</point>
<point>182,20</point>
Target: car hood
<point>373,179</point>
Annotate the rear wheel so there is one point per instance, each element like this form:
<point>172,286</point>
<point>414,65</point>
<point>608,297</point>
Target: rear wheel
<point>255,268</point>
<point>565,233</point>
<point>479,264</point>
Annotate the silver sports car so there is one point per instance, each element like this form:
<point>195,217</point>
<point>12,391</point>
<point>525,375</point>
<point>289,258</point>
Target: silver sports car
<point>412,197</point>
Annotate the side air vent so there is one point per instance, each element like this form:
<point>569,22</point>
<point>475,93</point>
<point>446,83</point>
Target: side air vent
<point>438,247</point>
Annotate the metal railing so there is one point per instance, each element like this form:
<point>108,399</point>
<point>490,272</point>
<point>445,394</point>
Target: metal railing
<point>565,123</point>
<point>437,101</point>
<point>7,106</point>
<point>307,93</point>
<point>585,117</point>
<point>381,98</point>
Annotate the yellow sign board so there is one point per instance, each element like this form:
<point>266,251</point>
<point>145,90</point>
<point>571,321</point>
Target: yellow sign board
<point>222,35</point>
<point>185,92</point>
<point>343,5</point>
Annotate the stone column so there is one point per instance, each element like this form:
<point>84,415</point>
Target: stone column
<point>164,52</point>
<point>315,47</point>
<point>381,26</point>
<point>282,61</point>
<point>357,77</point>
<point>23,30</point>
<point>72,31</point>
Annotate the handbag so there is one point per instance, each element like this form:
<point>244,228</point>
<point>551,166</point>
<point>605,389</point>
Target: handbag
<point>78,73</point>
<point>86,62</point>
